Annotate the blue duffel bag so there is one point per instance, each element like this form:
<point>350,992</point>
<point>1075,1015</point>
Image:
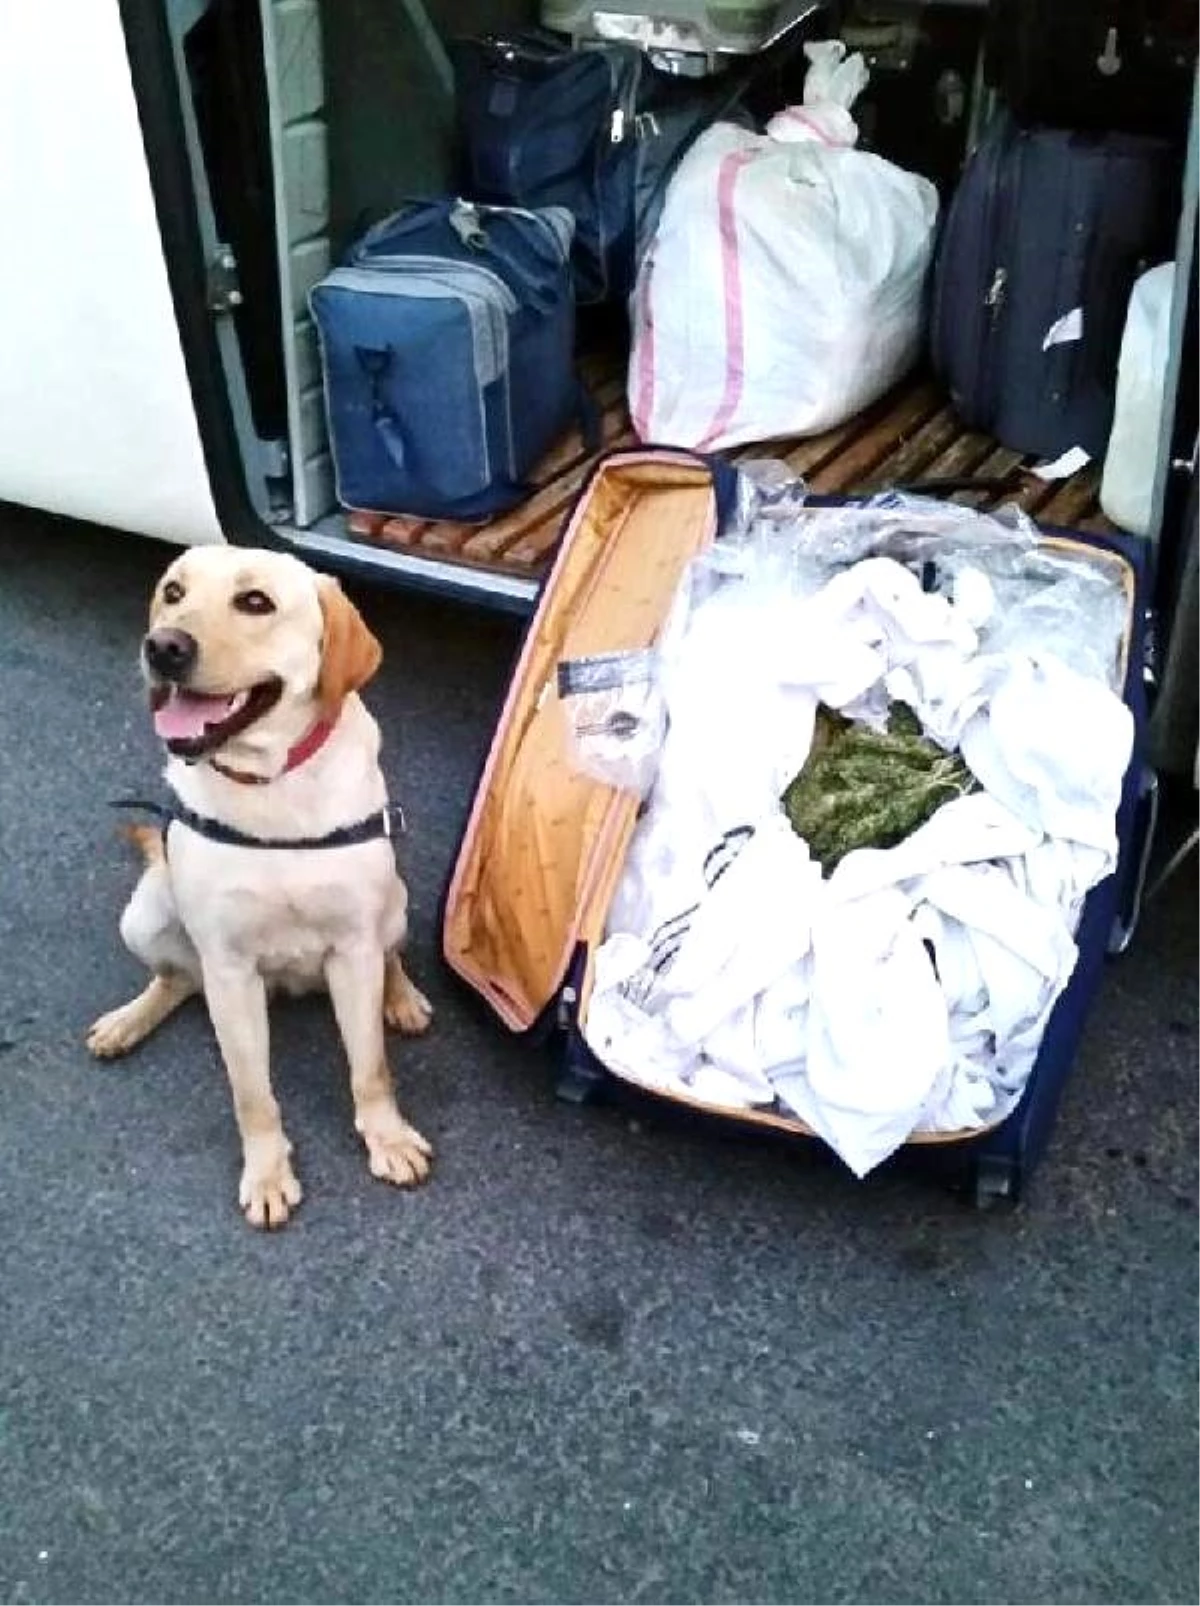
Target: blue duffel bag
<point>447,343</point>
<point>598,130</point>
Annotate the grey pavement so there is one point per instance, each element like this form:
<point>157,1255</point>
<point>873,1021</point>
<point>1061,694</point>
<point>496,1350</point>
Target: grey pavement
<point>603,1356</point>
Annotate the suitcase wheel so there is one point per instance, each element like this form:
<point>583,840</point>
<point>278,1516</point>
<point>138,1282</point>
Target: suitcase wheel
<point>579,1082</point>
<point>1145,822</point>
<point>994,1182</point>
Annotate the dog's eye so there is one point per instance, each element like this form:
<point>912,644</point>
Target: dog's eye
<point>253,602</point>
<point>172,592</point>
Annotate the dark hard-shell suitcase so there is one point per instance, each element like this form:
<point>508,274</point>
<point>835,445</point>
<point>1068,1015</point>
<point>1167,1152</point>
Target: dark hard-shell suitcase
<point>1042,243</point>
<point>1094,64</point>
<point>543,847</point>
<point>597,130</point>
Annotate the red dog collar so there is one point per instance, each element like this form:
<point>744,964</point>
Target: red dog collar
<point>304,749</point>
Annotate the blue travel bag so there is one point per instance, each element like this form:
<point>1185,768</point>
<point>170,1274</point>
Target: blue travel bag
<point>447,342</point>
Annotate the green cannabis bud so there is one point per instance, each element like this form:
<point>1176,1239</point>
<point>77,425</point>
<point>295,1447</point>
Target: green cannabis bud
<point>861,788</point>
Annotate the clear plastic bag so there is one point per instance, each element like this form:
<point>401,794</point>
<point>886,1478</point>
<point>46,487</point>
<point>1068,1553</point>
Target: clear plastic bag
<point>774,506</point>
<point>617,716</point>
<point>911,529</point>
<point>760,542</point>
<point>1019,595</point>
<point>1045,602</point>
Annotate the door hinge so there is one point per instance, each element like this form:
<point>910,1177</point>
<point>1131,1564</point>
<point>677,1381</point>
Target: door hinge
<point>1189,464</point>
<point>223,290</point>
<point>275,459</point>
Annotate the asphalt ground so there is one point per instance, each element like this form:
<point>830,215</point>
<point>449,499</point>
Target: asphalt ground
<point>604,1355</point>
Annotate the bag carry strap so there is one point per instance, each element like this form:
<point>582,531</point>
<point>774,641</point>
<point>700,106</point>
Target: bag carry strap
<point>725,478</point>
<point>993,484</point>
<point>375,362</point>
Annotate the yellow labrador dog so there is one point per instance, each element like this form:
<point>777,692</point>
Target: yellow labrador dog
<point>276,868</point>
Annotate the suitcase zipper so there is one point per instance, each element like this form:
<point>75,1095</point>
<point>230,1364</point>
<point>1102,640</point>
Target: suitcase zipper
<point>978,330</point>
<point>995,301</point>
<point>623,121</point>
<point>624,116</point>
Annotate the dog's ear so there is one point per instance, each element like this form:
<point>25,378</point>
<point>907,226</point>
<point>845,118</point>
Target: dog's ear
<point>350,654</point>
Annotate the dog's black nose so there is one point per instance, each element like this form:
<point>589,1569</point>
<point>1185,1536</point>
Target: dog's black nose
<point>170,653</point>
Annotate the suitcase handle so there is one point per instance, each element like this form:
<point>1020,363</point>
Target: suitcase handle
<point>468,221</point>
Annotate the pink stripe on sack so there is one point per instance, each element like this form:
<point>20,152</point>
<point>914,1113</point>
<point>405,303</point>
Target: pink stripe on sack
<point>803,118</point>
<point>731,276</point>
<point>643,400</point>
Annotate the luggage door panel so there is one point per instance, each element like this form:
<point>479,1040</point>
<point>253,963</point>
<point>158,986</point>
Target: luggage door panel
<point>98,418</point>
<point>1176,720</point>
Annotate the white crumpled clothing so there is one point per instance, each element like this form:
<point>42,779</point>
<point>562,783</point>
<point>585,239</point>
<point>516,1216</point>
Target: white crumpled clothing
<point>909,990</point>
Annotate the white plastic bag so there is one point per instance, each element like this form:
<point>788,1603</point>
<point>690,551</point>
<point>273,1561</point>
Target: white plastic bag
<point>1127,487</point>
<point>783,291</point>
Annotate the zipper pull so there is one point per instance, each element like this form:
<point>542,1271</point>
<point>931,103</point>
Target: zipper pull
<point>997,291</point>
<point>1109,61</point>
<point>464,220</point>
<point>616,132</point>
<point>567,1001</point>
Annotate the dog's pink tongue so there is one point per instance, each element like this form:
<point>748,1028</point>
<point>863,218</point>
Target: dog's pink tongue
<point>184,715</point>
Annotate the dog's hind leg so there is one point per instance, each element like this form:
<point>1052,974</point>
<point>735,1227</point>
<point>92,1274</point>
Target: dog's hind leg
<point>404,1005</point>
<point>152,932</point>
<point>124,1028</point>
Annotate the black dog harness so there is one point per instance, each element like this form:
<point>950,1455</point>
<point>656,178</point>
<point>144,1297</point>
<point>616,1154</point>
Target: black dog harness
<point>375,826</point>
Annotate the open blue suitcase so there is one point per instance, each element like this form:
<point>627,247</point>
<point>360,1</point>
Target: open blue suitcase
<point>544,846</point>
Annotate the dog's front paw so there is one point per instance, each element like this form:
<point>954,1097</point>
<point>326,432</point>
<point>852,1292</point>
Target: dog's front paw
<point>269,1189</point>
<point>117,1032</point>
<point>396,1152</point>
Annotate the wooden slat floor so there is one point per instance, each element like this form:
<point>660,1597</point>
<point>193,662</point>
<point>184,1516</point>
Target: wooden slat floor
<point>912,434</point>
